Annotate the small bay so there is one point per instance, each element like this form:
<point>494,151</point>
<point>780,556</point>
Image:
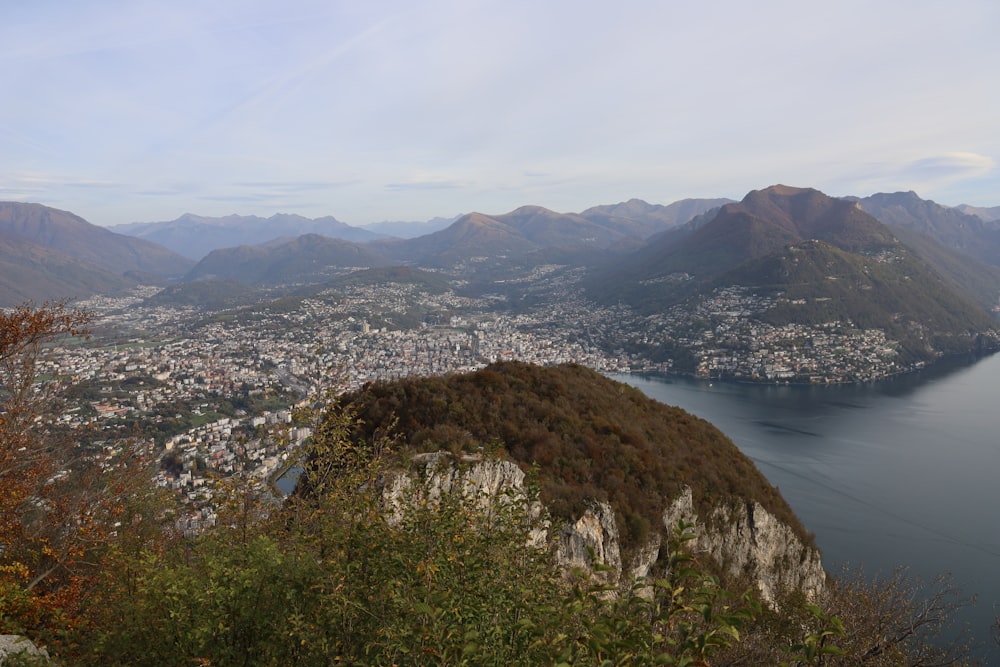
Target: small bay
<point>902,472</point>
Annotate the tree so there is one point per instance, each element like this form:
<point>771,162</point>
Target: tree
<point>59,504</point>
<point>898,620</point>
<point>895,621</point>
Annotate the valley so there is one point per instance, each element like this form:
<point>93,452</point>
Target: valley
<point>211,390</point>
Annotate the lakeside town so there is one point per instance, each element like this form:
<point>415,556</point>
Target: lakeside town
<point>218,393</point>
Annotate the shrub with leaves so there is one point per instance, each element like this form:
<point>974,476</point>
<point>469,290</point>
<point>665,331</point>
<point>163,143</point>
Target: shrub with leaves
<point>335,576</point>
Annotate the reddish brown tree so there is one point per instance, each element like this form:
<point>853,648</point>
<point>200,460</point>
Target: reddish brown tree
<point>52,509</point>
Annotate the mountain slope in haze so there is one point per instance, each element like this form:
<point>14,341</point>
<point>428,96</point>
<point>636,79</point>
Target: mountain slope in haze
<point>547,228</point>
<point>894,291</point>
<point>975,277</point>
<point>498,238</point>
<point>310,258</point>
<point>818,260</point>
<point>471,236</point>
<point>409,230</point>
<point>644,220</point>
<point>77,238</point>
<point>951,227</point>
<point>194,236</point>
<point>986,214</point>
<point>50,254</point>
<point>32,272</point>
<point>960,246</point>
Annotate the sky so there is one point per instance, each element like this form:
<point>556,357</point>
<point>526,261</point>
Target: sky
<point>142,110</point>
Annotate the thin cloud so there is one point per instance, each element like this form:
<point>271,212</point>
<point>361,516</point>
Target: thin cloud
<point>158,193</point>
<point>951,166</point>
<point>426,185</point>
<point>45,182</point>
<point>268,201</point>
<point>91,184</point>
<point>285,186</point>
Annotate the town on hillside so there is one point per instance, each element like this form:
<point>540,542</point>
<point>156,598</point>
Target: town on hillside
<point>215,394</point>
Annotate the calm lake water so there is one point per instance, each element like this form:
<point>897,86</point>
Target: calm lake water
<point>902,472</point>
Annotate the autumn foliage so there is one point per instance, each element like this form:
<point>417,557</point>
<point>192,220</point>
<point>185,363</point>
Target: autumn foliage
<point>59,504</point>
<point>590,437</point>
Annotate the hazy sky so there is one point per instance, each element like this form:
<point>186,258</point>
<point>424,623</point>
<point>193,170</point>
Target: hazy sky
<point>368,110</point>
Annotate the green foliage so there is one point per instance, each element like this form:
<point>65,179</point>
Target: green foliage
<point>337,576</point>
<point>341,575</point>
<point>453,582</point>
<point>222,604</point>
<point>818,643</point>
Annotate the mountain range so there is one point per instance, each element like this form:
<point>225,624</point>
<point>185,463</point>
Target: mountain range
<point>48,254</point>
<point>533,229</point>
<point>986,214</point>
<point>822,259</point>
<point>410,230</point>
<point>194,236</point>
<point>952,227</point>
<point>309,258</point>
<point>652,255</point>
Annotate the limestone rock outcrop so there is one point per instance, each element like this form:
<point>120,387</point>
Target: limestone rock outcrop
<point>743,538</point>
<point>11,645</point>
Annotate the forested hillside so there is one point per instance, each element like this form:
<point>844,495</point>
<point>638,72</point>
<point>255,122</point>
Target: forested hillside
<point>588,437</point>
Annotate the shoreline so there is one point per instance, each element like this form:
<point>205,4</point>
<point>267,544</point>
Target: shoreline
<point>940,364</point>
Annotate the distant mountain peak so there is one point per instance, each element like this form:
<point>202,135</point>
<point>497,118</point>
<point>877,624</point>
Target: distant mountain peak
<point>783,191</point>
<point>532,209</point>
<point>195,236</point>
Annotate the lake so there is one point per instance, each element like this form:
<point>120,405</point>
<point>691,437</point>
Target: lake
<point>901,472</point>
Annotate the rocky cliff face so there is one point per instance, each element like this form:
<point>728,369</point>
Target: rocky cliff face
<point>747,540</point>
<point>22,651</point>
<point>744,540</point>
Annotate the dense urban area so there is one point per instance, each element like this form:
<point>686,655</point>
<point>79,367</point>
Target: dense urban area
<point>216,394</point>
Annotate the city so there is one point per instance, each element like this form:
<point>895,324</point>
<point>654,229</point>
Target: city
<point>217,394</point>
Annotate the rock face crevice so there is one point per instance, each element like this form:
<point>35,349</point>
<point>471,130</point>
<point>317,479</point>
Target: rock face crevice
<point>593,538</point>
<point>743,539</point>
